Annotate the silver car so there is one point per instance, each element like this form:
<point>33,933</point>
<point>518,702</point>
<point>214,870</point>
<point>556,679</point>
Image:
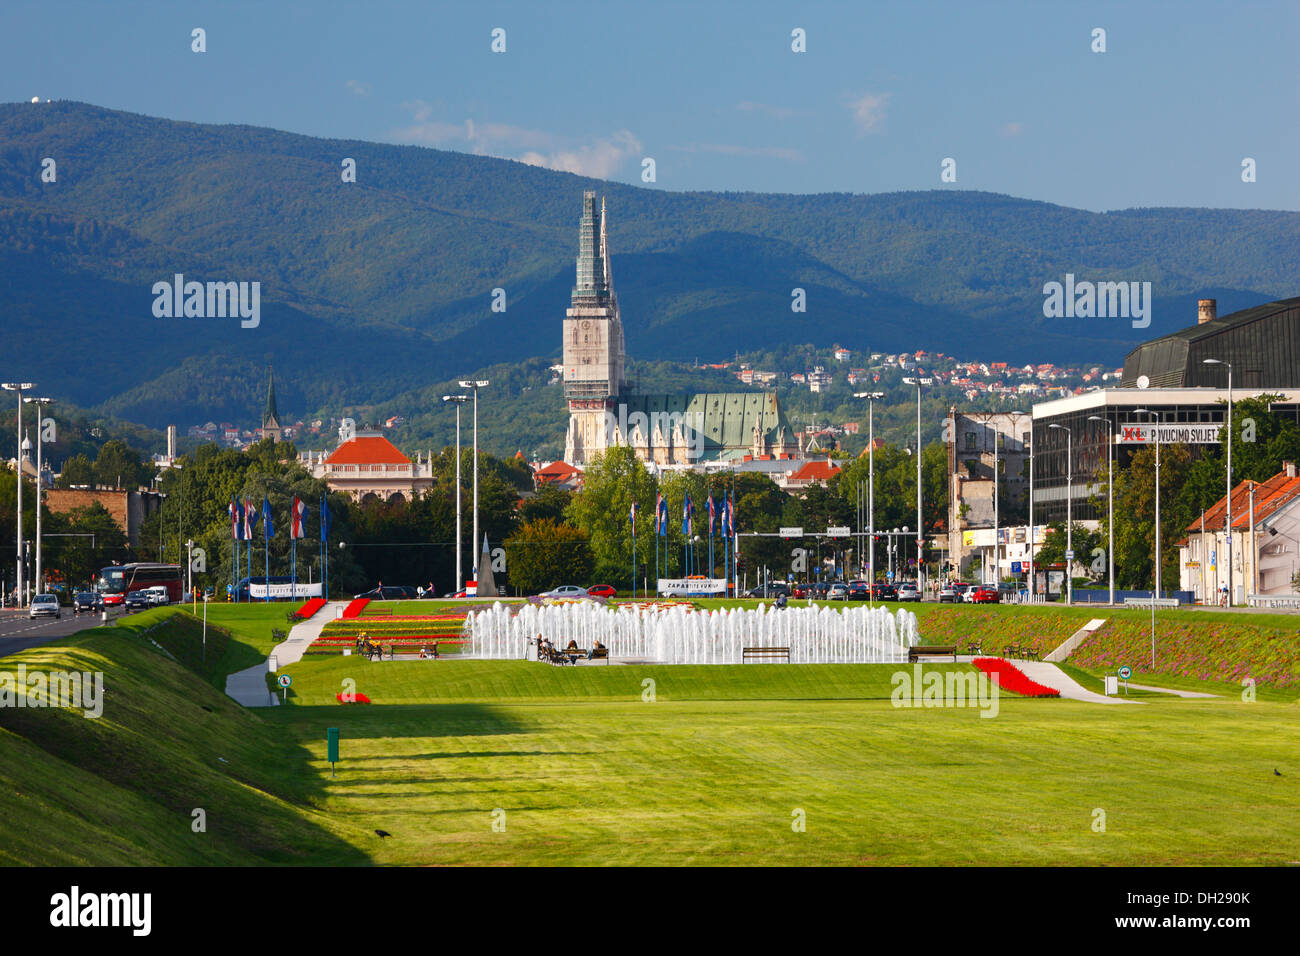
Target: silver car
<point>45,604</point>
<point>908,592</point>
<point>566,591</point>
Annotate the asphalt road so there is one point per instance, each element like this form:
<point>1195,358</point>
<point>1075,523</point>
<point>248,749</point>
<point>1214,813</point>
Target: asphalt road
<point>19,632</point>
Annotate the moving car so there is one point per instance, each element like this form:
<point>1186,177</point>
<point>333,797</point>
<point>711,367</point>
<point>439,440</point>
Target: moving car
<point>43,604</point>
<point>985,594</point>
<point>391,592</point>
<point>768,591</point>
<point>136,601</point>
<point>566,591</point>
<point>886,592</point>
<point>601,590</point>
<point>837,592</point>
<point>908,592</point>
<point>87,601</point>
<point>859,590</point>
<point>948,594</point>
<point>157,595</point>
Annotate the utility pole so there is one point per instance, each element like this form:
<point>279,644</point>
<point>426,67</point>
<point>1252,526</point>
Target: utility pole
<point>871,486</point>
<point>1069,512</point>
<point>1110,499</point>
<point>40,403</point>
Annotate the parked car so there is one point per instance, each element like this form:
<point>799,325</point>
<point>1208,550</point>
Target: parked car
<point>837,592</point>
<point>45,604</point>
<point>963,589</point>
<point>985,594</point>
<point>799,589</point>
<point>768,591</point>
<point>136,601</point>
<point>391,592</point>
<point>91,601</point>
<point>566,591</point>
<point>157,595</point>
<point>948,594</point>
<point>601,590</point>
<point>455,594</point>
<point>886,592</point>
<point>909,592</point>
<point>859,590</point>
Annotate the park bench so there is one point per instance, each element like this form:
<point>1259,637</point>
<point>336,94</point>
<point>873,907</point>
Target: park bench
<point>914,654</point>
<point>974,648</point>
<point>278,635</point>
<point>762,652</point>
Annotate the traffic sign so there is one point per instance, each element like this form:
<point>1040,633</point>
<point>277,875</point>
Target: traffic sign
<point>792,532</point>
<point>1125,672</point>
<point>1069,555</point>
<point>837,532</point>
<point>1015,567</point>
<point>284,680</point>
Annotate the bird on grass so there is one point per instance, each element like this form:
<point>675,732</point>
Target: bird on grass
<point>1276,772</point>
<point>382,833</point>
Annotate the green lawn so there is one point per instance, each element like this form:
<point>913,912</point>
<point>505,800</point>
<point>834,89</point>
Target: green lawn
<point>582,768</point>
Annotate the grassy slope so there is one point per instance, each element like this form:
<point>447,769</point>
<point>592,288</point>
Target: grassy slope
<point>692,780</point>
<point>120,789</point>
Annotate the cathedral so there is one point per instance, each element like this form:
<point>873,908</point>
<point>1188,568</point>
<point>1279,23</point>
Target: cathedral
<point>672,430</point>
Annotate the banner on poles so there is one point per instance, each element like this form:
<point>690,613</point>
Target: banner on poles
<point>692,587</point>
<point>285,590</point>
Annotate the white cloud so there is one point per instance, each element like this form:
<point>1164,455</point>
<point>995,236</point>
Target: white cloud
<point>869,111</point>
<point>1012,129</point>
<point>600,157</point>
<point>359,88</point>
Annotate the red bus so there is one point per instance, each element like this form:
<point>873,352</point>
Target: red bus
<point>117,582</point>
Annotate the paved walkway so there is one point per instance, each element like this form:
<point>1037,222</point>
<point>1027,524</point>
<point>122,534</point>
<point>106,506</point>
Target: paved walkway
<point>248,687</point>
<point>1049,675</point>
<point>1170,690</point>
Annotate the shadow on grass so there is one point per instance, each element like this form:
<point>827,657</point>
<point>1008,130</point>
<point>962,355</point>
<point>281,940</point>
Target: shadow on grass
<point>363,721</point>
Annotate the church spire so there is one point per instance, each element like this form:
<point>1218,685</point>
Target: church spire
<point>271,416</point>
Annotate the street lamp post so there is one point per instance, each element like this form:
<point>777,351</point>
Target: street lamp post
<point>459,400</point>
<point>1227,518</point>
<point>475,384</point>
<point>1110,499</point>
<point>871,484</point>
<point>39,403</point>
<point>19,387</point>
<point>920,528</point>
<point>1156,580</point>
<point>1069,511</point>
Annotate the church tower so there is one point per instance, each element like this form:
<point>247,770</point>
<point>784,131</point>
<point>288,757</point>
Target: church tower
<point>271,417</point>
<point>593,341</point>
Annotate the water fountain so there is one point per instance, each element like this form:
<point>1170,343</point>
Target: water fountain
<point>680,634</point>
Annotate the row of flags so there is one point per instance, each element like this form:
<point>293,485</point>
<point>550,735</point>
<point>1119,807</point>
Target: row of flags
<point>244,518</point>
<point>726,527</point>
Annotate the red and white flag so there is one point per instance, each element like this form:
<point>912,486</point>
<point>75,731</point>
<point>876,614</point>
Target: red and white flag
<point>299,513</point>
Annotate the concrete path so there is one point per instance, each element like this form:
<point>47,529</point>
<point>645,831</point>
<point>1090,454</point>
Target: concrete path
<point>248,687</point>
<point>1049,675</point>
<point>1170,690</point>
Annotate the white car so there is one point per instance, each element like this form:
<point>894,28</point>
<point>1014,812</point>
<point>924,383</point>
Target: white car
<point>566,591</point>
<point>908,592</point>
<point>45,604</point>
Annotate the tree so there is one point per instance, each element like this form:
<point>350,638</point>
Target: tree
<point>118,466</point>
<point>1085,542</point>
<point>77,559</point>
<point>610,484</point>
<point>77,470</point>
<point>543,554</point>
<point>549,502</point>
<point>1135,517</point>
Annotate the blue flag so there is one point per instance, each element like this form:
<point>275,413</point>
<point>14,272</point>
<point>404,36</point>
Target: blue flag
<point>266,517</point>
<point>324,520</point>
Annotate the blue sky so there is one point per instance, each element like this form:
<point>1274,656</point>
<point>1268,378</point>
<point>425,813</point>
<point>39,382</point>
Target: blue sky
<point>713,92</point>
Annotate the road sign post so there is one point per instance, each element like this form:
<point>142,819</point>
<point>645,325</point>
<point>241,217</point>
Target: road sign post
<point>332,746</point>
<point>284,680</point>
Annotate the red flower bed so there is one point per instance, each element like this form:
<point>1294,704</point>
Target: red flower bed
<point>352,698</point>
<point>1012,678</point>
<point>310,608</point>
<point>354,607</point>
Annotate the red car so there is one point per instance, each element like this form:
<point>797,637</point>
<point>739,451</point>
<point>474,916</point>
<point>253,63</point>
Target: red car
<point>986,595</point>
<point>601,590</point>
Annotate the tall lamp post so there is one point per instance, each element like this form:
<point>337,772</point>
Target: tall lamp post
<point>1227,518</point>
<point>1147,411</point>
<point>1110,499</point>
<point>459,401</point>
<point>475,385</point>
<point>1069,511</point>
<point>19,387</point>
<point>871,485</point>
<point>39,403</point>
<point>920,528</point>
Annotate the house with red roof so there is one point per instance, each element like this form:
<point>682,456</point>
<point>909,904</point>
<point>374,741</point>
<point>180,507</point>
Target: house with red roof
<point>560,474</point>
<point>815,472</point>
<point>368,466</point>
<point>1265,549</point>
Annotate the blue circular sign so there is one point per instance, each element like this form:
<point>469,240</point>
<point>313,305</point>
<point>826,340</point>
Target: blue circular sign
<point>284,680</point>
<point>1125,673</point>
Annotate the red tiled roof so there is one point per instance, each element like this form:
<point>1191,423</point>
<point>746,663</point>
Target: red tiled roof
<point>1270,495</point>
<point>816,471</point>
<point>556,471</point>
<point>367,450</point>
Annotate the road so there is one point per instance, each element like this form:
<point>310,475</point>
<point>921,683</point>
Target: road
<point>19,632</point>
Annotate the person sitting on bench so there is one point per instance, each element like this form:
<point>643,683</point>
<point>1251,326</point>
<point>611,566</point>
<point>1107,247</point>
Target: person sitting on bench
<point>597,646</point>
<point>573,645</point>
